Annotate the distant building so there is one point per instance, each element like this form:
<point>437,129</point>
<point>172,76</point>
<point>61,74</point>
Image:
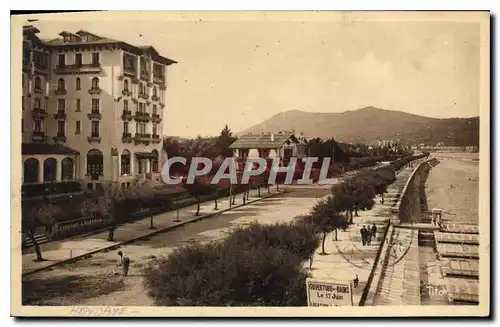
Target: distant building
<point>92,109</point>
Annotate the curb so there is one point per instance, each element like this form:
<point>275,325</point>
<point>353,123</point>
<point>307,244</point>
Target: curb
<point>148,235</point>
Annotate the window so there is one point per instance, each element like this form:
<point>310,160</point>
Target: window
<point>31,167</point>
<point>155,92</point>
<point>49,170</point>
<point>125,105</point>
<point>78,83</point>
<point>61,84</point>
<point>67,169</point>
<point>154,109</point>
<point>61,127</point>
<point>38,83</point>
<point>142,107</point>
<point>125,85</point>
<point>95,105</point>
<point>154,129</point>
<point>78,104</point>
<point>62,60</point>
<point>22,125</point>
<point>23,102</point>
<point>141,128</point>
<point>95,162</point>
<point>125,127</point>
<point>125,162</point>
<point>78,127</point>
<point>61,104</point>
<point>154,161</point>
<point>78,60</point>
<point>141,88</point>
<point>38,103</point>
<point>95,129</point>
<point>95,83</point>
<point>37,126</point>
<point>95,58</point>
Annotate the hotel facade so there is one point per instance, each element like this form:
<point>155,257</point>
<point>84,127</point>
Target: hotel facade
<point>92,110</point>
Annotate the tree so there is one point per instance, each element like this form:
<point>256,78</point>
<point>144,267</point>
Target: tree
<point>326,218</point>
<point>225,139</point>
<point>109,204</point>
<point>198,188</point>
<point>35,217</point>
<point>145,195</point>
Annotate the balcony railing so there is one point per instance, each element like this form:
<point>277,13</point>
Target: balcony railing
<point>158,79</point>
<point>142,116</point>
<point>38,90</point>
<point>60,91</point>
<point>142,138</point>
<point>155,118</point>
<point>162,105</point>
<point>94,138</point>
<point>127,92</point>
<point>60,138</point>
<point>155,98</point>
<point>127,115</point>
<point>39,136</point>
<point>144,75</point>
<point>94,115</point>
<point>127,138</point>
<point>129,70</point>
<point>60,115</point>
<point>95,91</point>
<point>84,68</point>
<point>39,112</point>
<point>143,96</point>
<point>156,138</point>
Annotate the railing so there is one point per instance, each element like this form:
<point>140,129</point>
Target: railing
<point>142,116</point>
<point>60,115</point>
<point>95,91</point>
<point>94,115</point>
<point>77,68</point>
<point>59,138</point>
<point>127,92</point>
<point>127,115</point>
<point>129,70</point>
<point>143,96</point>
<point>155,118</point>
<point>60,91</point>
<point>39,112</point>
<point>127,138</point>
<point>94,138</point>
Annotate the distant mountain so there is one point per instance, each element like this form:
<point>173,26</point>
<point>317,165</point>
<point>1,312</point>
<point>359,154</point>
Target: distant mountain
<point>370,124</point>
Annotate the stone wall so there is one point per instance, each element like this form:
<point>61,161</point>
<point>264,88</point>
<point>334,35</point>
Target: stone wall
<point>413,199</point>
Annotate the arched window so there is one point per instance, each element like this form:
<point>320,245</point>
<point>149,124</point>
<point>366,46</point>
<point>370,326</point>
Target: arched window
<point>154,161</point>
<point>155,92</point>
<point>49,170</point>
<point>94,164</point>
<point>61,85</point>
<point>125,162</point>
<point>31,168</point>
<point>125,85</point>
<point>95,83</point>
<point>38,83</point>
<point>67,169</point>
<point>141,89</point>
<point>78,83</point>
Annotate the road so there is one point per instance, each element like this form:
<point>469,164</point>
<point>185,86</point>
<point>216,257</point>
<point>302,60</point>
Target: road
<point>281,208</point>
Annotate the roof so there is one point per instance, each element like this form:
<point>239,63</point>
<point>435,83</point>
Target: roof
<point>263,140</point>
<point>46,148</point>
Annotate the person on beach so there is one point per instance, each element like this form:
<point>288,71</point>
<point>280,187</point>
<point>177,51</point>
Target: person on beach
<point>125,262</point>
<point>374,231</point>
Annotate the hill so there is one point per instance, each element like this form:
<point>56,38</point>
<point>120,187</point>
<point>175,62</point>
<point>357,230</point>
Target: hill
<point>370,124</point>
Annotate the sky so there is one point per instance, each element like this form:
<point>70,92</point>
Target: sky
<point>241,71</point>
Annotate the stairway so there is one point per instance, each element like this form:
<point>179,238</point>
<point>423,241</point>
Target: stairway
<point>40,238</point>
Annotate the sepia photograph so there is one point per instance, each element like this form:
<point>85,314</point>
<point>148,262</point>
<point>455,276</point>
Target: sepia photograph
<point>228,164</point>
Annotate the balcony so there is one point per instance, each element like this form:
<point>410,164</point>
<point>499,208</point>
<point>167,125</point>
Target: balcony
<point>60,91</point>
<point>127,93</point>
<point>95,91</point>
<point>93,68</point>
<point>60,115</point>
<point>142,138</point>
<point>142,116</point>
<point>127,115</point>
<point>94,138</point>
<point>158,79</point>
<point>144,75</point>
<point>39,113</point>
<point>127,138</point>
<point>39,137</point>
<point>129,71</point>
<point>94,115</point>
<point>27,66</point>
<point>163,87</point>
<point>59,138</point>
<point>155,118</point>
<point>155,98</point>
<point>156,138</point>
<point>39,69</point>
<point>143,96</point>
<point>162,105</point>
<point>38,90</point>
<point>135,80</point>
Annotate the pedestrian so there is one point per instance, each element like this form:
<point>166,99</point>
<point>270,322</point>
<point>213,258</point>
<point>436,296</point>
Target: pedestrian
<point>310,262</point>
<point>356,281</point>
<point>363,235</point>
<point>368,236</point>
<point>125,262</point>
<point>374,231</point>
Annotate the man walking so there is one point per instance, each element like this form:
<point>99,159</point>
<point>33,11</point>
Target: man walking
<point>125,262</point>
<point>368,236</point>
<point>363,235</point>
<point>374,231</point>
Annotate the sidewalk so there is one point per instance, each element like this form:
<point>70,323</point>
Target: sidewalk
<point>57,251</point>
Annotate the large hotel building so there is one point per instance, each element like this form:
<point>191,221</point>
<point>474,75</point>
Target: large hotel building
<point>92,110</point>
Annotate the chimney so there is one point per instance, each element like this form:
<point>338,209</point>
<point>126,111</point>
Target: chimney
<point>272,137</point>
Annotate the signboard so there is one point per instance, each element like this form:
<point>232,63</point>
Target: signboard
<point>322,293</point>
